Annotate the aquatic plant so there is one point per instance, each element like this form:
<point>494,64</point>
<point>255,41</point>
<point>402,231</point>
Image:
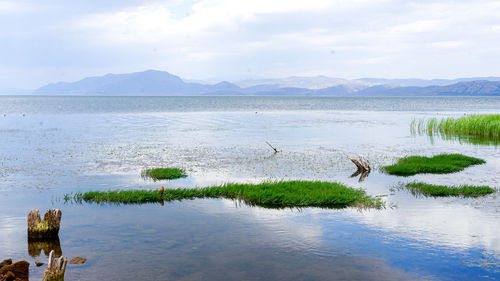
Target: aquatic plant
<point>439,164</point>
<point>269,194</point>
<point>164,173</point>
<point>476,129</point>
<point>443,190</point>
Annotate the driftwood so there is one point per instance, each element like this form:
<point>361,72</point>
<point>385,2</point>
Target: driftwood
<point>274,148</point>
<point>363,166</point>
<point>55,269</point>
<point>48,228</point>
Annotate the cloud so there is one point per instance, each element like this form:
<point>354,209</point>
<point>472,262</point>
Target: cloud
<point>231,39</point>
<point>9,7</point>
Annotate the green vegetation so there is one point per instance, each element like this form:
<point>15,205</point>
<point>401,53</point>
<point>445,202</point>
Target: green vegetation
<point>476,129</point>
<point>268,194</point>
<point>443,190</point>
<point>164,173</point>
<point>439,164</point>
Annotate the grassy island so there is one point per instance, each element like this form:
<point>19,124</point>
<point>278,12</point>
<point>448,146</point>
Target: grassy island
<point>443,190</point>
<point>268,194</point>
<point>164,173</point>
<point>439,164</point>
<point>483,127</point>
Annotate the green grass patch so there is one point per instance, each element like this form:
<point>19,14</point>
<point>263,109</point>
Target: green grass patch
<point>279,194</point>
<point>164,173</point>
<point>476,129</point>
<point>443,190</point>
<point>439,164</point>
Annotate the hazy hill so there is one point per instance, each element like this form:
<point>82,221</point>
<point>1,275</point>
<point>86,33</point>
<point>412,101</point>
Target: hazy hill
<point>153,82</point>
<point>473,88</point>
<point>410,82</point>
<point>313,83</point>
<point>150,82</point>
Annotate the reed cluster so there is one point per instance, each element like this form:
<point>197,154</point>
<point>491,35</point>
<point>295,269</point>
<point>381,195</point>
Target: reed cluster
<point>473,125</point>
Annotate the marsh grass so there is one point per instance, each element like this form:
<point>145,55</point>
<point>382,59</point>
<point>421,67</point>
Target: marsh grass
<point>279,194</point>
<point>439,164</point>
<point>475,129</point>
<point>443,190</point>
<point>164,173</point>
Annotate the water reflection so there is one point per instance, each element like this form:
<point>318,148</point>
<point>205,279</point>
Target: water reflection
<point>35,247</point>
<point>466,139</point>
<point>51,153</point>
<point>362,175</point>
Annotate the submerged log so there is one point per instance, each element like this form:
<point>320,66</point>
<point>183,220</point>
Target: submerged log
<point>55,269</point>
<point>77,260</point>
<point>48,228</point>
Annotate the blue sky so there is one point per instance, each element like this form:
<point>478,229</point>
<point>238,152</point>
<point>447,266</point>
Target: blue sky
<point>55,40</point>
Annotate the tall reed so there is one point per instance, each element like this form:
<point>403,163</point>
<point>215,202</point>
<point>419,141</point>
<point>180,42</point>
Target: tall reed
<point>472,125</point>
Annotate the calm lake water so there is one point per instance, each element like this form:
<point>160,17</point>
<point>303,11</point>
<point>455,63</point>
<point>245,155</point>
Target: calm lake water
<point>51,146</point>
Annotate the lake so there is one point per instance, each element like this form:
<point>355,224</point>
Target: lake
<point>52,146</point>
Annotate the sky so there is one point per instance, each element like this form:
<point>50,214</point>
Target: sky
<point>56,40</point>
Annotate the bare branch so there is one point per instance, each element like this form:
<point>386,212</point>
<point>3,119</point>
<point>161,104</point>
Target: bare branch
<point>274,148</point>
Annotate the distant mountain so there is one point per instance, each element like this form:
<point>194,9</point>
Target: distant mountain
<point>409,82</point>
<point>313,83</point>
<point>150,82</point>
<point>473,88</point>
<point>153,82</point>
<point>321,82</point>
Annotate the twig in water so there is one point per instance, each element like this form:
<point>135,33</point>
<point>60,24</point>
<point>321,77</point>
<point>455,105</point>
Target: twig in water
<point>274,148</point>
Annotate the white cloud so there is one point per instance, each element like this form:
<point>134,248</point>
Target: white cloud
<point>446,44</point>
<point>9,7</point>
<point>233,39</point>
<point>420,26</point>
<point>155,22</point>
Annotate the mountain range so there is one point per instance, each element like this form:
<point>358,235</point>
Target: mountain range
<point>159,83</point>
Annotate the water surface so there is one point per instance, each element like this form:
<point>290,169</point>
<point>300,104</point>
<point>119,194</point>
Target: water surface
<point>57,145</point>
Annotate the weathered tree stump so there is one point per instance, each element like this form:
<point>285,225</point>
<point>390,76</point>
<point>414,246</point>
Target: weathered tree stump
<point>363,166</point>
<point>55,269</point>
<point>18,271</point>
<point>5,262</point>
<point>48,228</point>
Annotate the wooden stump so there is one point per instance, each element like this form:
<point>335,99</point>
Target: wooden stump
<point>363,166</point>
<point>48,228</point>
<point>55,269</point>
<point>18,271</point>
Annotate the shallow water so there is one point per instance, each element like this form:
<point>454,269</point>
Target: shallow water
<point>57,145</point>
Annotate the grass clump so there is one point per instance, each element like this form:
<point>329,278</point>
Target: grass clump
<point>473,125</point>
<point>443,190</point>
<point>439,164</point>
<point>268,194</point>
<point>164,173</point>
